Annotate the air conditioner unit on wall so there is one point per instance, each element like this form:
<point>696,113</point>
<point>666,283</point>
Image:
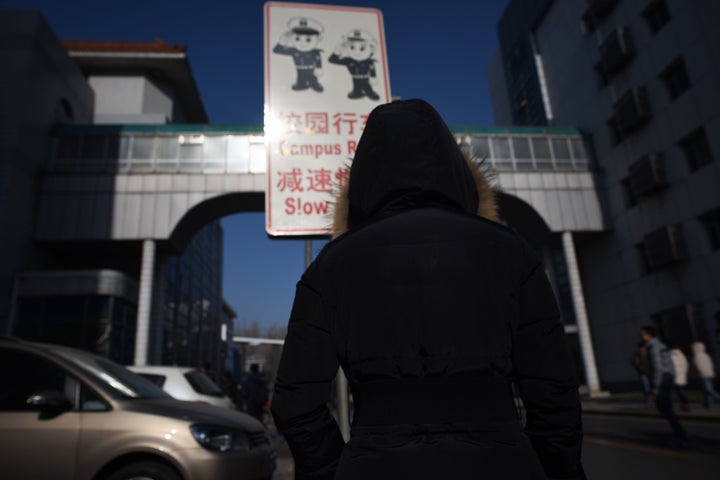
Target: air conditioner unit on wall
<point>616,51</point>
<point>647,175</point>
<point>631,111</point>
<point>600,8</point>
<point>681,325</point>
<point>665,246</point>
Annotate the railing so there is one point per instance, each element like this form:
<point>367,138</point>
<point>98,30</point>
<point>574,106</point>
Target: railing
<point>179,149</point>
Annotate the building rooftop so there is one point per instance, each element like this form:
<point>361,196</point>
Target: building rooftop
<point>157,59</point>
<point>157,46</point>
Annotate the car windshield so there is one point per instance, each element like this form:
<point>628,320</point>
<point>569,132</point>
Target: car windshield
<point>203,384</point>
<point>117,380</point>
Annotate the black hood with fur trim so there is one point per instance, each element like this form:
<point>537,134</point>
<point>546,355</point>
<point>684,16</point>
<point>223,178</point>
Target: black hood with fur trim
<point>408,158</point>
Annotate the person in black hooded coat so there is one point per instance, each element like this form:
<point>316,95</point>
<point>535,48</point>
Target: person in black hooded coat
<point>433,310</point>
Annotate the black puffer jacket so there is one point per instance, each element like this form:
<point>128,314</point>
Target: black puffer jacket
<point>432,311</point>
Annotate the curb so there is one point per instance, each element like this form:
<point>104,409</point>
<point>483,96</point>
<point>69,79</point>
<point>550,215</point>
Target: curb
<point>699,417</point>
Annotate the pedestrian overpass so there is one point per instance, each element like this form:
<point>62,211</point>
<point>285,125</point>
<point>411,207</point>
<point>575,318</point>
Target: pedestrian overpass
<point>162,183</point>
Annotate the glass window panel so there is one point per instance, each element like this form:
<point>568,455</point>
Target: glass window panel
<point>581,164</point>
<point>560,148</point>
<point>524,164</point>
<point>481,148</point>
<point>166,165</point>
<point>214,148</point>
<point>504,164</point>
<point>124,148</point>
<point>578,148</point>
<point>563,164</point>
<point>521,147</point>
<point>541,148</point>
<point>501,148</point>
<point>142,147</point>
<point>68,147</point>
<point>544,164</point>
<point>166,148</point>
<point>238,153</point>
<point>191,151</point>
<point>116,147</point>
<point>93,147</point>
<point>191,157</point>
<point>140,165</point>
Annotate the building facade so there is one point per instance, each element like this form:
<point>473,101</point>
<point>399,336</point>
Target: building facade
<point>86,291</point>
<point>639,80</point>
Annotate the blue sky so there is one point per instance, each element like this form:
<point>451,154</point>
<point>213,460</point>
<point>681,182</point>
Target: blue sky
<point>437,50</point>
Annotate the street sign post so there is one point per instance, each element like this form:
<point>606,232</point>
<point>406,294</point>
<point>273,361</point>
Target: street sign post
<point>325,70</point>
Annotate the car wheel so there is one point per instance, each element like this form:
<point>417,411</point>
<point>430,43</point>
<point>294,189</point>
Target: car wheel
<point>147,470</point>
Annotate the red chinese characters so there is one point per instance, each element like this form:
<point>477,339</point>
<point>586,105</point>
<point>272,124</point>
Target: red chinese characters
<point>318,123</point>
<point>321,180</point>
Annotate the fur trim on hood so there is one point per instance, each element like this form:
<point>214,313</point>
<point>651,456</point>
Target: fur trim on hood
<point>407,158</point>
<point>487,200</point>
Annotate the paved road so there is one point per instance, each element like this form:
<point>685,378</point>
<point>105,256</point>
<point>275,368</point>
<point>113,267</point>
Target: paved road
<point>632,448</point>
<point>626,441</point>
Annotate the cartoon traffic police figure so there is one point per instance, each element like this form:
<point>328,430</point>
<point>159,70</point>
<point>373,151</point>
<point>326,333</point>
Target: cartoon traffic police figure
<point>300,41</point>
<point>355,52</point>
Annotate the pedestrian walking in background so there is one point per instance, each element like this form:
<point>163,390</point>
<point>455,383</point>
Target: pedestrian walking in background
<point>662,381</point>
<point>433,310</point>
<point>642,367</point>
<point>680,366</point>
<point>706,369</point>
<point>255,392</point>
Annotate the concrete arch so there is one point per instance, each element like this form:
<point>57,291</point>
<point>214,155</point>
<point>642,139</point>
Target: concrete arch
<point>523,217</point>
<point>210,209</point>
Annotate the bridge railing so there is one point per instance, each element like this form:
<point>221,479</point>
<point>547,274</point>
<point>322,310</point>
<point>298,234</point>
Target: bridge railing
<point>181,149</point>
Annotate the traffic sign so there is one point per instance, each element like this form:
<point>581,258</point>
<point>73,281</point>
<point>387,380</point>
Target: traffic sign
<point>325,70</point>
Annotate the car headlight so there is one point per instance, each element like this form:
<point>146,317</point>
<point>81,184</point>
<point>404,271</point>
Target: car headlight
<point>220,439</point>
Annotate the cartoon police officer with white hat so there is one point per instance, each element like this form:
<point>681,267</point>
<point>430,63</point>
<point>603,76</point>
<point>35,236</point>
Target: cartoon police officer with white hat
<point>355,52</point>
<point>300,41</point>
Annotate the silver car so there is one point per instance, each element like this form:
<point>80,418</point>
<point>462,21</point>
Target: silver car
<point>69,414</point>
<point>184,383</point>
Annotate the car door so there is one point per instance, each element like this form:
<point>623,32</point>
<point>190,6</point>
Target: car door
<point>35,443</point>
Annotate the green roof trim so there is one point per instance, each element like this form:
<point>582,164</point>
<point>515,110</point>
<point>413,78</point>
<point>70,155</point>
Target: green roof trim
<point>515,130</point>
<point>165,128</point>
<point>256,129</point>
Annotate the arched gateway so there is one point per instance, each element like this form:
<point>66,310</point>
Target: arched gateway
<point>151,188</point>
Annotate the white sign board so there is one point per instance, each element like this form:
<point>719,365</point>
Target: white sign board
<point>325,70</point>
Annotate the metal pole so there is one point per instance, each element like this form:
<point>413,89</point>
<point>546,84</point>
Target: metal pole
<point>142,328</point>
<point>581,317</point>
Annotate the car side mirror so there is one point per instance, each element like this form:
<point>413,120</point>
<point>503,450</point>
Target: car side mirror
<point>50,403</point>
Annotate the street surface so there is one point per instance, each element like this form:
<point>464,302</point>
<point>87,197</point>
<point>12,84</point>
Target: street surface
<point>624,448</point>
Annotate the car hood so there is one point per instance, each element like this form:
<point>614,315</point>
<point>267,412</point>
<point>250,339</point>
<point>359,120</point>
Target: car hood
<point>194,412</point>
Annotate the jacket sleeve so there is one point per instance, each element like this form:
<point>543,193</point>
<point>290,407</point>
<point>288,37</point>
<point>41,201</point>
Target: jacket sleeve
<point>545,376</point>
<point>299,406</point>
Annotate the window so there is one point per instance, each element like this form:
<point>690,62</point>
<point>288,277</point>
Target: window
<point>711,222</point>
<point>696,149</point>
<point>630,112</point>
<point>678,325</point>
<point>664,247</point>
<point>628,194</point>
<point>656,15</point>
<point>645,266</point>
<point>18,385</point>
<point>616,51</point>
<point>600,8</point>
<point>675,78</point>
<point>647,175</point>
